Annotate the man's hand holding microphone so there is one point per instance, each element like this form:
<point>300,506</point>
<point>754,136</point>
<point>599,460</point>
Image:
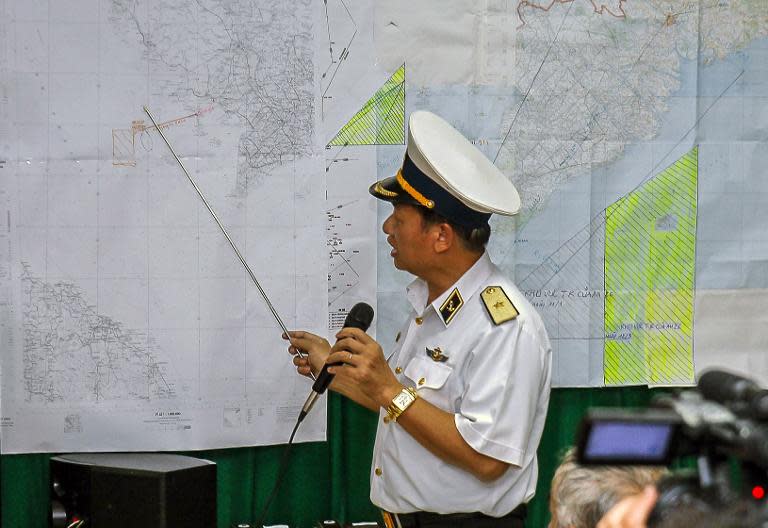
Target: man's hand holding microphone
<point>356,361</point>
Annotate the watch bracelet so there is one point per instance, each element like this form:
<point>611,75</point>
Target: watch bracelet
<point>394,412</point>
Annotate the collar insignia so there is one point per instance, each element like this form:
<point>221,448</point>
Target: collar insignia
<point>435,354</point>
<point>451,306</point>
<point>499,307</point>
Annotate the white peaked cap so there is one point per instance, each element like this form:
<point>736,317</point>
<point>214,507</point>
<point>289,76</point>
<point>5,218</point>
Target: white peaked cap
<point>448,158</point>
<point>444,171</point>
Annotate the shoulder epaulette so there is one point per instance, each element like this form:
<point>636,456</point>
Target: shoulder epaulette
<point>499,307</point>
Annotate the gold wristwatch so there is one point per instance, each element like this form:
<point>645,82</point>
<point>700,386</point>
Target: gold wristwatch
<point>400,403</point>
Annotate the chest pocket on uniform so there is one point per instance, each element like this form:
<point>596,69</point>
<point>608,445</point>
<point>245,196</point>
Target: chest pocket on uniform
<point>426,373</point>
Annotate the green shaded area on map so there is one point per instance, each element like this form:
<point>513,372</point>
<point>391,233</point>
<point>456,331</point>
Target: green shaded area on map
<point>381,120</point>
<point>650,264</point>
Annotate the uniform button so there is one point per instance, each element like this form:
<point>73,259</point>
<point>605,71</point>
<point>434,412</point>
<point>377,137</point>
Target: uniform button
<point>398,370</point>
<point>397,337</point>
<point>422,381</point>
<point>377,471</point>
<point>419,320</point>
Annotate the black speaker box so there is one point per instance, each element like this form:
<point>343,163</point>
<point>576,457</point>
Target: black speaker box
<point>129,490</point>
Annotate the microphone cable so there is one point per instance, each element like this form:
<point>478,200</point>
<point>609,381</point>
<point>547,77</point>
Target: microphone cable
<point>359,316</point>
<point>281,471</point>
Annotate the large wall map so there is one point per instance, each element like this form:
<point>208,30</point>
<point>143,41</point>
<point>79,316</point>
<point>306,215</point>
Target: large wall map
<point>129,322</point>
<point>635,131</point>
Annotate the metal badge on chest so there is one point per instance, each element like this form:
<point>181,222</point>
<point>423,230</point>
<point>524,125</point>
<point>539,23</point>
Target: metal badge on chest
<point>435,354</point>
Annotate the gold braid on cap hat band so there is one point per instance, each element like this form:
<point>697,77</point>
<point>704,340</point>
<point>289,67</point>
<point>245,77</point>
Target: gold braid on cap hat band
<point>416,195</point>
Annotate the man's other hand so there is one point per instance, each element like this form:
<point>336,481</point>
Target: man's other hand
<point>314,348</point>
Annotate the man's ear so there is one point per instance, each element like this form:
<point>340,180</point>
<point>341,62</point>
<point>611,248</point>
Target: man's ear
<point>445,237</point>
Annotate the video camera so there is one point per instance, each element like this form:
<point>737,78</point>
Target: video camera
<point>722,425</point>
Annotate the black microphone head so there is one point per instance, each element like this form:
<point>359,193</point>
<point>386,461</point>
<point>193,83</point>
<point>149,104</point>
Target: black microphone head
<point>360,316</point>
<point>722,386</point>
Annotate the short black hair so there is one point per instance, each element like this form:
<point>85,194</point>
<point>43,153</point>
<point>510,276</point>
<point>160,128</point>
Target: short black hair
<point>473,238</point>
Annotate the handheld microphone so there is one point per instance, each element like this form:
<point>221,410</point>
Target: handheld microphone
<point>360,316</point>
<point>728,388</point>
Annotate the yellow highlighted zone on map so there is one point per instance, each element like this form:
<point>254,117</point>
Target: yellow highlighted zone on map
<point>381,120</point>
<point>650,265</point>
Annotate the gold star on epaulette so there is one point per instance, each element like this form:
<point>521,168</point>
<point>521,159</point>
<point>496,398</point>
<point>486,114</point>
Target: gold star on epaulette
<point>499,307</point>
<point>451,306</point>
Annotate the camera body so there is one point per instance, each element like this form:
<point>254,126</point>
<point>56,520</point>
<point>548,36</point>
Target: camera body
<point>718,434</point>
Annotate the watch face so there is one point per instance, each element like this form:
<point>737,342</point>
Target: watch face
<point>402,399</point>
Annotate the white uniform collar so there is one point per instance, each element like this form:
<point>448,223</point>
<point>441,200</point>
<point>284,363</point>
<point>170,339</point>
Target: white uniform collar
<point>449,303</point>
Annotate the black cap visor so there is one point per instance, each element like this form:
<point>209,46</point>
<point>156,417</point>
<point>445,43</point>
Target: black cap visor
<point>390,190</point>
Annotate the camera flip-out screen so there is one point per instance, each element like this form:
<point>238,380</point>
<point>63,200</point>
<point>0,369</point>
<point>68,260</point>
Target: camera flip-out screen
<point>627,438</point>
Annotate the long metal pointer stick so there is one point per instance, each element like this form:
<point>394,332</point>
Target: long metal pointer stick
<point>231,243</point>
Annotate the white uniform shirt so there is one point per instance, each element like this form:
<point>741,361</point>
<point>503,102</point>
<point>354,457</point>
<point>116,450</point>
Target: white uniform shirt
<point>495,379</point>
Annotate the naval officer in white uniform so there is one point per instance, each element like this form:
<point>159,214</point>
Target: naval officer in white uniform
<point>463,396</point>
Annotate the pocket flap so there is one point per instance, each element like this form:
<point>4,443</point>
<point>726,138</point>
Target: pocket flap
<point>427,374</point>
